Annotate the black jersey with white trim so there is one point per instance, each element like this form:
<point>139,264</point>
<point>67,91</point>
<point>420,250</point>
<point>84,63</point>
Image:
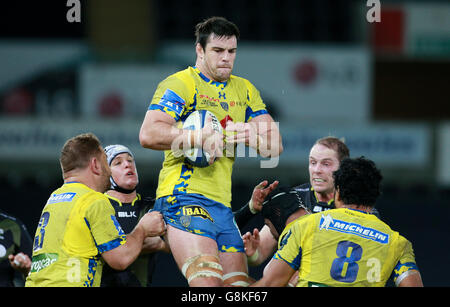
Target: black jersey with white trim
<point>309,198</point>
<point>310,201</point>
<point>140,272</point>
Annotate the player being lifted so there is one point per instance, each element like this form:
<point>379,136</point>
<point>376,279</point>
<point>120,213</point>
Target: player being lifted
<point>195,202</point>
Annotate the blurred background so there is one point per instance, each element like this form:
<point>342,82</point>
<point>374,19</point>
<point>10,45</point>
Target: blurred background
<point>322,68</point>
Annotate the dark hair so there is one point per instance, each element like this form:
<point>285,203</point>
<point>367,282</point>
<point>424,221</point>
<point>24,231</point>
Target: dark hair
<point>335,144</point>
<point>78,151</point>
<point>358,181</point>
<point>217,25</point>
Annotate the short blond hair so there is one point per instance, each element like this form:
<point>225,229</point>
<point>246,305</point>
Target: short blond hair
<point>78,151</point>
<point>335,144</point>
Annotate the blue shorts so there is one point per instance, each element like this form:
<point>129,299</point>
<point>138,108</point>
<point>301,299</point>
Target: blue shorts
<point>202,216</point>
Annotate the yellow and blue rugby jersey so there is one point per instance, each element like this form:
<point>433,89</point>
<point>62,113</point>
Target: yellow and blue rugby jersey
<point>77,225</point>
<point>184,92</point>
<point>344,247</point>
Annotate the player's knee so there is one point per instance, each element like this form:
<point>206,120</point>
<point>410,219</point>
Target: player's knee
<point>236,279</point>
<point>201,267</point>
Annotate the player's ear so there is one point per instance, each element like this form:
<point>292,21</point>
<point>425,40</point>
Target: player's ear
<point>95,166</point>
<point>199,50</point>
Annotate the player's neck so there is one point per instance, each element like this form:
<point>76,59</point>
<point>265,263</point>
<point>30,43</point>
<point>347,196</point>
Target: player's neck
<point>83,179</point>
<point>124,198</point>
<point>203,71</point>
<point>206,72</point>
<point>356,207</point>
<point>324,197</point>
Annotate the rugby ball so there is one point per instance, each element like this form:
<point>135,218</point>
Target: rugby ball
<point>196,121</point>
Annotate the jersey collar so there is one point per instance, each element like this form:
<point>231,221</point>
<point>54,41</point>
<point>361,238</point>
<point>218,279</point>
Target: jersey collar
<point>317,200</point>
<point>138,197</point>
<point>365,212</point>
<point>207,80</point>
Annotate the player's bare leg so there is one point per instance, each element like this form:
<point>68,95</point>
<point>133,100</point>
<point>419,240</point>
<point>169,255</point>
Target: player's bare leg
<point>235,270</point>
<point>197,257</point>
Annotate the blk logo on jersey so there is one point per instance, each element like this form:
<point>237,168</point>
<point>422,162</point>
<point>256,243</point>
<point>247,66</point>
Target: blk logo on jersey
<point>126,214</point>
<point>319,209</point>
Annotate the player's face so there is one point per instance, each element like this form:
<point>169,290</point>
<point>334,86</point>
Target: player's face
<point>217,60</point>
<point>123,171</point>
<point>323,162</point>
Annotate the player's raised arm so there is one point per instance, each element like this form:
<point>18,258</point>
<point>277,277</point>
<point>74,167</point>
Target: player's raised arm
<point>158,131</point>
<point>276,274</point>
<point>151,225</point>
<point>259,245</point>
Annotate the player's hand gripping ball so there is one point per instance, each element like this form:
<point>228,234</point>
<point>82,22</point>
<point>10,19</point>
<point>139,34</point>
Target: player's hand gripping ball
<point>196,121</point>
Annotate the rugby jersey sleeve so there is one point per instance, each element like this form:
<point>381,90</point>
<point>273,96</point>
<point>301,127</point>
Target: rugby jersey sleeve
<point>171,97</point>
<point>255,105</point>
<point>290,246</point>
<point>106,231</point>
<point>407,261</point>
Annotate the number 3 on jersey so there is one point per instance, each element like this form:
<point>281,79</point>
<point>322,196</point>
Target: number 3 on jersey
<point>338,265</point>
<point>39,239</point>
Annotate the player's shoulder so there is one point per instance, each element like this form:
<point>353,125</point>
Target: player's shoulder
<point>115,202</point>
<point>9,221</point>
<point>238,78</point>
<point>302,188</point>
<point>303,192</point>
<point>188,72</point>
<point>181,77</point>
<point>93,199</point>
<point>281,193</point>
<point>242,81</point>
<point>303,224</point>
<point>363,218</point>
<point>6,216</point>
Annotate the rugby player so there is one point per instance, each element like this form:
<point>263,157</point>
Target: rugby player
<point>129,207</point>
<point>204,240</point>
<point>15,251</point>
<point>316,196</point>
<point>346,246</point>
<point>78,229</point>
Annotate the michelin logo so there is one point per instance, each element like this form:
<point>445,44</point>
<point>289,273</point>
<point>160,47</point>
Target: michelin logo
<point>58,198</point>
<point>325,222</point>
<point>328,223</point>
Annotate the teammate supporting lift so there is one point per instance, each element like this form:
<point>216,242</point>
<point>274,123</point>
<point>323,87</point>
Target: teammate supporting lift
<point>78,229</point>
